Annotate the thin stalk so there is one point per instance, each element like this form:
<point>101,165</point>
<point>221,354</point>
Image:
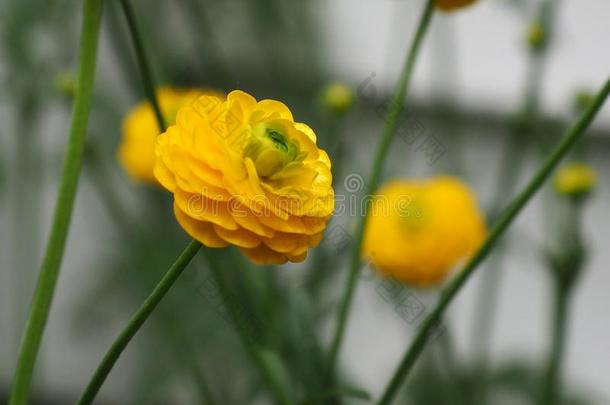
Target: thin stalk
<point>131,232</point>
<point>374,179</point>
<point>508,175</point>
<point>145,69</point>
<point>551,379</point>
<point>117,37</point>
<point>136,322</point>
<point>447,365</point>
<point>25,222</point>
<point>567,142</point>
<point>49,272</point>
<point>489,289</point>
<point>253,349</point>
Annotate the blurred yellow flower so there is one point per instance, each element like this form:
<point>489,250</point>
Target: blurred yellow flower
<point>417,231</point>
<point>450,5</point>
<point>337,97</point>
<point>244,173</point>
<point>575,179</point>
<point>136,151</point>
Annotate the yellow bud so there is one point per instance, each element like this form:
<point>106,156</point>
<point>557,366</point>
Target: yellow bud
<point>337,97</point>
<point>575,179</point>
<point>536,35</point>
<point>65,84</point>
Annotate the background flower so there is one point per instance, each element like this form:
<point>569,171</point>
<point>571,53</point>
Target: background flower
<point>417,231</point>
<point>140,129</point>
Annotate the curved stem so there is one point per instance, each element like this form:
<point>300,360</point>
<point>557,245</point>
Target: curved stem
<point>137,321</point>
<point>49,272</point>
<point>382,149</point>
<point>515,207</point>
<point>145,70</point>
<point>551,381</point>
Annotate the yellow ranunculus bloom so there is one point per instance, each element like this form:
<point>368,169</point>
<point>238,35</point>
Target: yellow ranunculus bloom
<point>450,5</point>
<point>417,231</point>
<point>136,151</point>
<point>244,173</point>
<point>575,179</point>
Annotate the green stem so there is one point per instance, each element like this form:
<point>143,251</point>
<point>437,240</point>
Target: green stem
<point>49,272</point>
<point>136,322</point>
<point>382,149</point>
<point>551,382</point>
<point>130,232</point>
<point>254,350</point>
<point>509,172</point>
<point>515,207</point>
<point>145,70</point>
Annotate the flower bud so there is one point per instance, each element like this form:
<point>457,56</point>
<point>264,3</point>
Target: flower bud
<point>567,263</point>
<point>536,36</point>
<point>337,98</point>
<point>583,100</point>
<point>575,180</point>
<point>65,84</point>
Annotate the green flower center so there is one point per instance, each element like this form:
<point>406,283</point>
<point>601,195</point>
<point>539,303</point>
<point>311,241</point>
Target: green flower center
<point>411,214</point>
<point>270,149</point>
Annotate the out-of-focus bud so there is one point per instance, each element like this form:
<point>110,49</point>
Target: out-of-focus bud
<point>575,180</point>
<point>65,84</point>
<point>337,98</point>
<point>536,36</point>
<point>583,100</point>
<point>567,263</point>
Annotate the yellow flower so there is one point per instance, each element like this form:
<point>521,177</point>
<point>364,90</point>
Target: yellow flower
<point>136,152</point>
<point>417,231</point>
<point>337,97</point>
<point>450,5</point>
<point>244,173</point>
<point>575,179</point>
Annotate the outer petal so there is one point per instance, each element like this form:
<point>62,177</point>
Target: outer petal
<point>199,230</point>
<point>239,237</point>
<point>201,208</point>
<point>263,255</point>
